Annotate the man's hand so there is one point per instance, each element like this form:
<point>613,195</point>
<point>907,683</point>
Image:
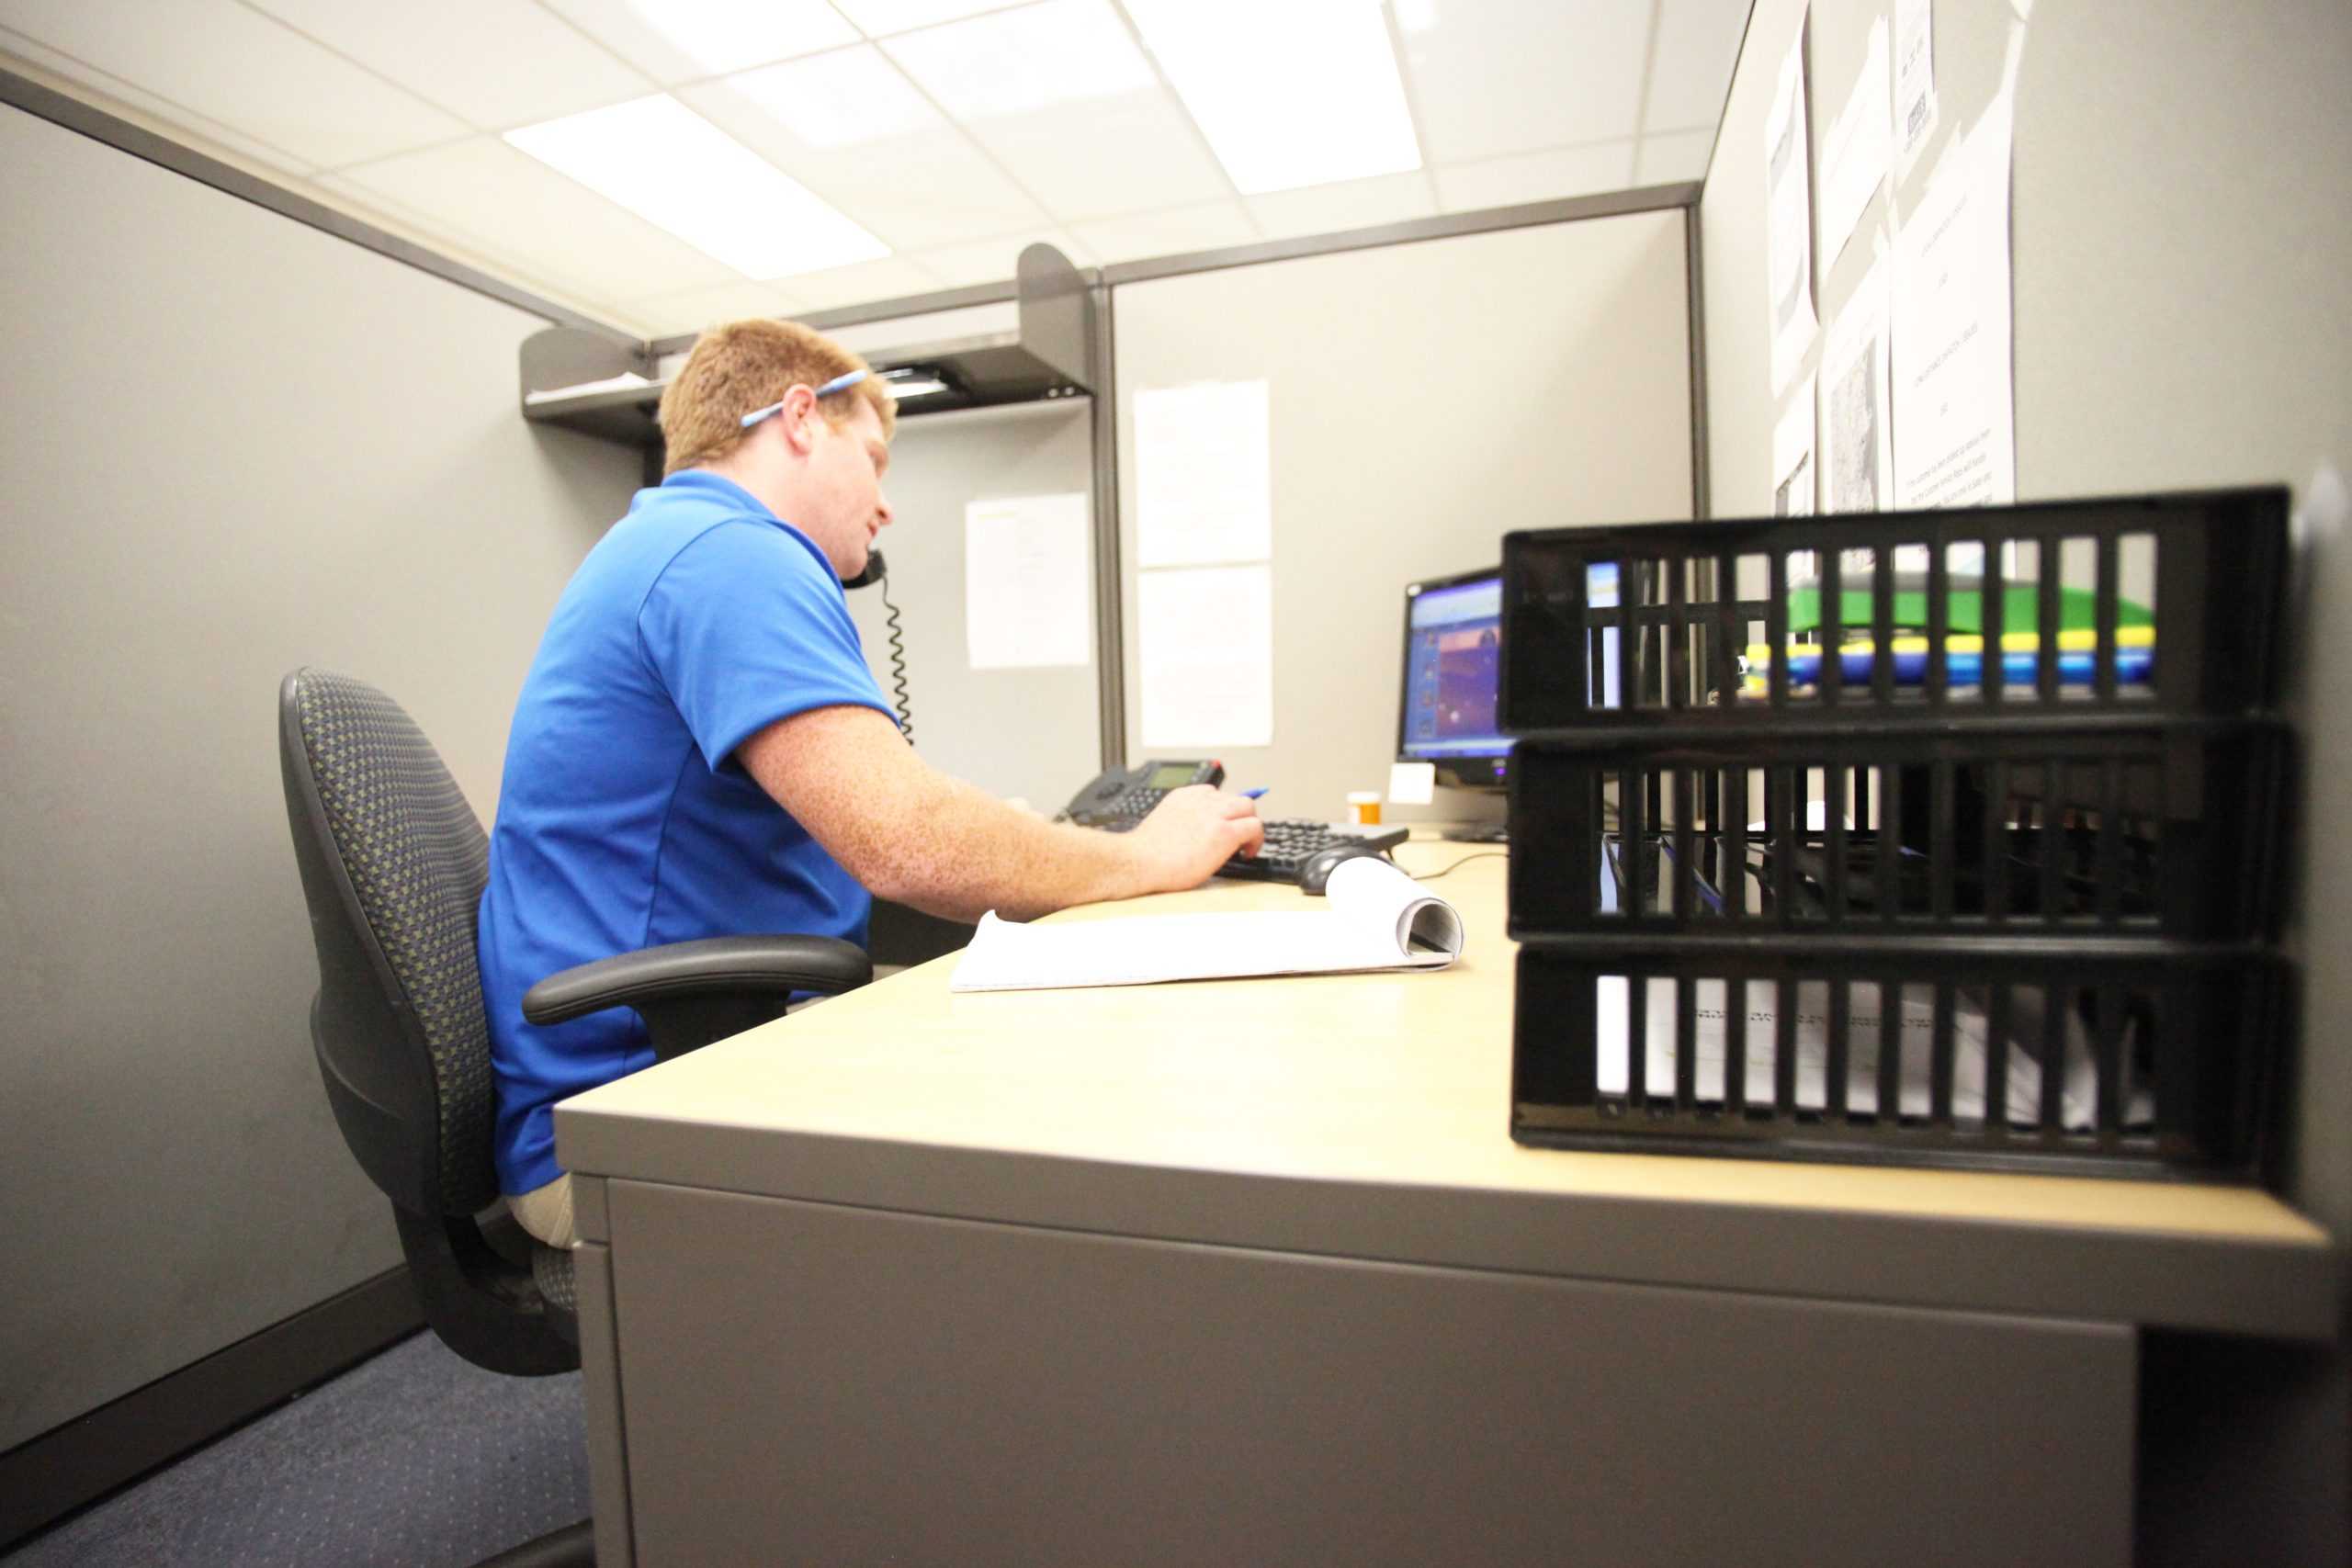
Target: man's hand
<point>1191,832</point>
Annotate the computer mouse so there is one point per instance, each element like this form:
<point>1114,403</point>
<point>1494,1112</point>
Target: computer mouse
<point>1318,868</point>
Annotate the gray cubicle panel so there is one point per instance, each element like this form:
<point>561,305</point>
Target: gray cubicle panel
<point>1030,733</point>
<point>1426,398</point>
<point>2182,318</point>
<point>235,443</point>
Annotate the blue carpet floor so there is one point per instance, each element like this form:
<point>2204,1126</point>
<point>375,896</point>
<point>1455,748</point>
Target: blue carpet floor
<point>411,1459</point>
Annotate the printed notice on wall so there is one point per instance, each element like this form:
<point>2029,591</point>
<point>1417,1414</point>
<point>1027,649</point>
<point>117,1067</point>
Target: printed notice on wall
<point>1203,475</point>
<point>1854,153</point>
<point>1857,453</point>
<point>1789,215</point>
<point>1206,640</point>
<point>1955,416</point>
<point>1028,597</point>
<point>1915,81</point>
<point>1793,471</point>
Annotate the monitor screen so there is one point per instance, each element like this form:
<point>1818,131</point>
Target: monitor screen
<point>1452,662</point>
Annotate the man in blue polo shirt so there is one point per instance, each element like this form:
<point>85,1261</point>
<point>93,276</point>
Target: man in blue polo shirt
<point>700,749</point>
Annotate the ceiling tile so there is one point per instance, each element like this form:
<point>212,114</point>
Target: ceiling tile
<point>1536,176</point>
<point>850,128</point>
<point>484,191</point>
<point>1213,226</point>
<point>1034,57</point>
<point>240,68</point>
<point>495,63</point>
<point>1698,44</point>
<point>1351,204</point>
<point>882,17</point>
<point>867,281</point>
<point>688,40</point>
<point>994,261</point>
<point>183,125</point>
<point>1670,155</point>
<point>695,310</point>
<point>1496,76</point>
<point>1114,155</point>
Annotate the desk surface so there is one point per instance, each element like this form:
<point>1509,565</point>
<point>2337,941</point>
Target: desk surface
<point>1366,1116</point>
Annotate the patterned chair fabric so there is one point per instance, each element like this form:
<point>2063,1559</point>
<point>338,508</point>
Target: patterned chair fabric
<point>417,860</point>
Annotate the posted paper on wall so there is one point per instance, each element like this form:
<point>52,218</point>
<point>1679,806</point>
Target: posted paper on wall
<point>1205,644</point>
<point>1789,218</point>
<point>1854,153</point>
<point>1915,81</point>
<point>1204,474</point>
<point>1857,455</point>
<point>1793,470</point>
<point>1955,416</point>
<point>1028,595</point>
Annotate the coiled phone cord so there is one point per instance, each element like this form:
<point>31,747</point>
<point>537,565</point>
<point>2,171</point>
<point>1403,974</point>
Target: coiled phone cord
<point>898,661</point>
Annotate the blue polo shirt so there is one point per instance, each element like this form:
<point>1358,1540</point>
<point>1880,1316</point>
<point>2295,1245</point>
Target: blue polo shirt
<point>624,820</point>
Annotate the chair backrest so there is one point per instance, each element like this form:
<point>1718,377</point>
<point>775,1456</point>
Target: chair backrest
<point>393,863</point>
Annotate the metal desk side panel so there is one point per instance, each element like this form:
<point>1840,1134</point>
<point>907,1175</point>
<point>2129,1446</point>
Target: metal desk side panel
<point>858,1386</point>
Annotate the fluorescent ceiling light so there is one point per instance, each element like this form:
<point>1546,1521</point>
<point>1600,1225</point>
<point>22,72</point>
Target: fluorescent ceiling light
<point>846,98</point>
<point>727,35</point>
<point>1061,51</point>
<point>1299,94</point>
<point>679,171</point>
<point>908,384</point>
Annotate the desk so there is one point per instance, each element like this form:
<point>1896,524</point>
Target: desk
<point>1251,1272</point>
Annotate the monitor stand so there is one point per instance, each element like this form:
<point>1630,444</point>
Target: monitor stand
<point>1475,832</point>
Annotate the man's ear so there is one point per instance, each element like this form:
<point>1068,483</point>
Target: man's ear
<point>799,418</point>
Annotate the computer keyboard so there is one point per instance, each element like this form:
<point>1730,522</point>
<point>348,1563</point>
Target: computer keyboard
<point>1290,840</point>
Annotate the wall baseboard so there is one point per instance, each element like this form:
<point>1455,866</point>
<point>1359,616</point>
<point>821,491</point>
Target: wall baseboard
<point>66,1468</point>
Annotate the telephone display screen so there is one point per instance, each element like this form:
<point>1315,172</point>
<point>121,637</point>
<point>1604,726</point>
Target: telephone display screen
<point>1172,775</point>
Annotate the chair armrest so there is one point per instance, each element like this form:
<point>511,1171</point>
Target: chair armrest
<point>690,993</point>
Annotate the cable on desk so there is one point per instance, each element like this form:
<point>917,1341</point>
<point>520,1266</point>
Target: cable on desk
<point>1465,860</point>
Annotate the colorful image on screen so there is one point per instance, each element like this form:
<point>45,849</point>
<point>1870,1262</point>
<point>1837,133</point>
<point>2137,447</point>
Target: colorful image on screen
<point>1453,667</point>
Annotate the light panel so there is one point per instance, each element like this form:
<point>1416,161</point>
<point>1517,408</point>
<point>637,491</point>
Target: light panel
<point>880,19</point>
<point>846,97</point>
<point>1295,95</point>
<point>679,171</point>
<point>1011,62</point>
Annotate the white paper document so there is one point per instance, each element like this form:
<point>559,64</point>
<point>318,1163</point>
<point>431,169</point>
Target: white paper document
<point>1204,474</point>
<point>1028,590</point>
<point>2021,1087</point>
<point>1854,154</point>
<point>1206,650</point>
<point>1915,81</point>
<point>1789,218</point>
<point>1857,452</point>
<point>1793,467</point>
<point>1374,917</point>
<point>1955,416</point>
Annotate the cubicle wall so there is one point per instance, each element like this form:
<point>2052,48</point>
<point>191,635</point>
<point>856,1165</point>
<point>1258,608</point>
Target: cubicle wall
<point>235,443</point>
<point>1033,733</point>
<point>1423,400</point>
<point>2182,318</point>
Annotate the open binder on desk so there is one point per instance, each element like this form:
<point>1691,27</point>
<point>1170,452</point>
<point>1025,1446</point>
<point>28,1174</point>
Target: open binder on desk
<point>1375,918</point>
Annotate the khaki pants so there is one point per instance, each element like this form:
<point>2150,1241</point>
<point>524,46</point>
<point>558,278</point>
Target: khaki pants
<point>546,1212</point>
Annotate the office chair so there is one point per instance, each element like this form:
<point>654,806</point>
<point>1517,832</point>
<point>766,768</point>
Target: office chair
<point>393,862</point>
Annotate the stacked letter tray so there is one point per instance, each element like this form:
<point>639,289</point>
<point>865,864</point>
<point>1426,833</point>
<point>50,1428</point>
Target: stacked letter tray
<point>1926,837</point>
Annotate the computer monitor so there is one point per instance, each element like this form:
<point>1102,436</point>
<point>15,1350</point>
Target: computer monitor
<point>1445,712</point>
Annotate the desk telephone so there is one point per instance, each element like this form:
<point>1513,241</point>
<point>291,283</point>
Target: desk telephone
<point>1124,796</point>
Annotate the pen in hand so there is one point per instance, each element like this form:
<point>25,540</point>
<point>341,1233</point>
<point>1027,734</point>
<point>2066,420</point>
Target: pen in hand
<point>1254,794</point>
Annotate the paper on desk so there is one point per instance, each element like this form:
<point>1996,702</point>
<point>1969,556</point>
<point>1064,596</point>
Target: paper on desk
<point>1375,916</point>
<point>2078,1093</point>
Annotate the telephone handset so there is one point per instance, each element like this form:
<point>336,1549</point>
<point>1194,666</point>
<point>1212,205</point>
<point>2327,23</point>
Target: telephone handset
<point>1124,796</point>
<point>875,572</point>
